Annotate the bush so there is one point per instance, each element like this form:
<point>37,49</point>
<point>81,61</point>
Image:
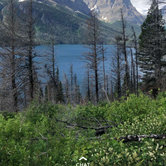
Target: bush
<point>34,137</point>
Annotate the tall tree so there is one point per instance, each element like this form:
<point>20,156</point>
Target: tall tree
<point>52,69</point>
<point>30,46</point>
<point>71,81</point>
<point>136,57</point>
<point>103,51</point>
<point>88,85</point>
<point>152,47</point>
<point>60,95</point>
<point>93,57</point>
<point>77,93</point>
<point>46,94</point>
<point>117,66</point>
<point>132,69</point>
<point>124,40</point>
<point>66,88</point>
<point>11,54</point>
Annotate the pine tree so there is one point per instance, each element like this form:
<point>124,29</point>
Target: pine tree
<point>151,46</point>
<point>124,90</point>
<point>60,96</point>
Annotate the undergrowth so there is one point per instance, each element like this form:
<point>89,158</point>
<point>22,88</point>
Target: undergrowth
<point>34,137</point>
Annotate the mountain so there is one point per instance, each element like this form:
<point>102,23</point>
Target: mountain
<point>75,5</point>
<point>53,18</point>
<point>109,10</point>
<point>67,24</point>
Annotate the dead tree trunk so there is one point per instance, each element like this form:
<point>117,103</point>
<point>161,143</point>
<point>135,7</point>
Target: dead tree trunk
<point>11,56</point>
<point>30,42</point>
<point>136,58</point>
<point>93,57</point>
<point>124,39</point>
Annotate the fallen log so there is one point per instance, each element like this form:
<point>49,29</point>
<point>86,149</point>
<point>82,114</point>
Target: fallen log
<point>130,138</point>
<point>100,130</point>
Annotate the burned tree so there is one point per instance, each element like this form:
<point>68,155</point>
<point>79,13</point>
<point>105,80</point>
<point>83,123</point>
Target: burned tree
<point>11,56</point>
<point>136,57</point>
<point>30,35</point>
<point>132,69</point>
<point>66,86</point>
<point>117,66</point>
<point>124,48</point>
<point>93,57</point>
<point>71,81</point>
<point>52,69</point>
<point>103,51</point>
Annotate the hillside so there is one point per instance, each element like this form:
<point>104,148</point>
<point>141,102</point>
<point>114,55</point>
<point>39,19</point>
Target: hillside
<point>109,10</point>
<point>75,5</point>
<point>67,25</point>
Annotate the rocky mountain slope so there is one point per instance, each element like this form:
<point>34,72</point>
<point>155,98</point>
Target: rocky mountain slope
<point>109,10</point>
<point>66,24</point>
<point>76,5</point>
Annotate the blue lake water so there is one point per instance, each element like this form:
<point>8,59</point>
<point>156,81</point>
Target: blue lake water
<point>71,54</point>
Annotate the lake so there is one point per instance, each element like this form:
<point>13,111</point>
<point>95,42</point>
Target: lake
<point>71,54</point>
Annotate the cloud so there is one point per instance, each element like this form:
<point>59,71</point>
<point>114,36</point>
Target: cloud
<point>143,5</point>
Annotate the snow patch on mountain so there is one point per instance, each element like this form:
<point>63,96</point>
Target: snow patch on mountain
<point>95,8</point>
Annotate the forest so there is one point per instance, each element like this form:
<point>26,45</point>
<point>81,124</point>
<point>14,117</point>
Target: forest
<point>121,118</point>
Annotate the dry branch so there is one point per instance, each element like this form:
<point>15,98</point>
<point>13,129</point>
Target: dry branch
<point>101,129</point>
<point>84,127</point>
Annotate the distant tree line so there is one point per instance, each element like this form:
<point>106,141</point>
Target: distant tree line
<point>19,76</point>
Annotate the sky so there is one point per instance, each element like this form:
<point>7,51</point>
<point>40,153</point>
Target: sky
<point>143,5</point>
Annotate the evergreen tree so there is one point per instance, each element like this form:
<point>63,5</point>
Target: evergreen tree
<point>57,74</point>
<point>60,96</point>
<point>124,90</point>
<point>41,95</point>
<point>151,46</point>
<point>46,93</point>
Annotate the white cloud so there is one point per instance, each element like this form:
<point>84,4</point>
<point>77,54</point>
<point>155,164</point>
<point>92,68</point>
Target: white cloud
<point>143,5</point>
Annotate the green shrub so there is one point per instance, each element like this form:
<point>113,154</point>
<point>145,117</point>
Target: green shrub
<point>34,137</point>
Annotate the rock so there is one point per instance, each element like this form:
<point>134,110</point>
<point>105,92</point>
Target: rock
<point>109,10</point>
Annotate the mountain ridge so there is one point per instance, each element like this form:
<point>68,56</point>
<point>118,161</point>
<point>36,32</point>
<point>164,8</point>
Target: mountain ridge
<point>67,25</point>
<point>109,10</point>
<point>75,5</point>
